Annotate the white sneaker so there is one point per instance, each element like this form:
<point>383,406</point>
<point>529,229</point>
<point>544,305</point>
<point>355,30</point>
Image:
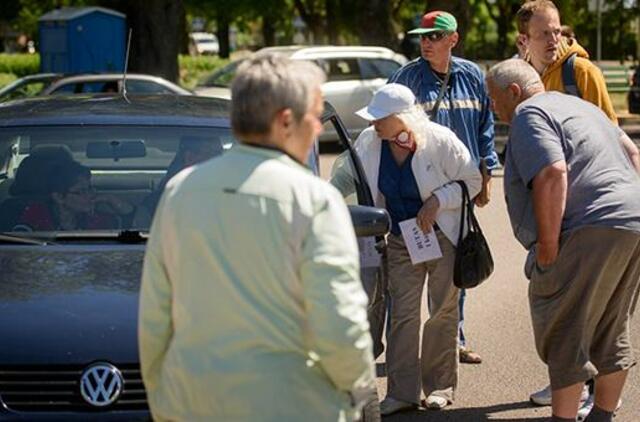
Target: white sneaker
<point>390,405</point>
<point>434,402</point>
<point>543,397</point>
<point>586,407</point>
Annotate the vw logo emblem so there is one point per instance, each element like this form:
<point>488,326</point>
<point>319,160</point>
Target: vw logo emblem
<point>101,384</point>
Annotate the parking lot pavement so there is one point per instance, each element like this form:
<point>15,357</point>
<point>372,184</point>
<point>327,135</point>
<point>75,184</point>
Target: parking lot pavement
<point>498,326</point>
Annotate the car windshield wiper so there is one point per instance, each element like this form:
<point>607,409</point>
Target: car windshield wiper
<point>124,236</point>
<point>22,239</point>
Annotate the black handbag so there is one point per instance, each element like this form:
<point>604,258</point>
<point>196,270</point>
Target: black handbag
<point>473,263</point>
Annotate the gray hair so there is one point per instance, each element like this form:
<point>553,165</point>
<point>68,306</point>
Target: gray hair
<point>417,121</point>
<point>268,83</point>
<point>515,71</point>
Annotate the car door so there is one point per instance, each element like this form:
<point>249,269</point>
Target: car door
<point>343,168</point>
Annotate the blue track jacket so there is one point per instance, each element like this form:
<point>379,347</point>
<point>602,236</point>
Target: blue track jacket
<point>465,107</point>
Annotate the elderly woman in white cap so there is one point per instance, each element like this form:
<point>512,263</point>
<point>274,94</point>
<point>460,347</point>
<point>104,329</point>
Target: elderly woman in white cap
<point>412,166</point>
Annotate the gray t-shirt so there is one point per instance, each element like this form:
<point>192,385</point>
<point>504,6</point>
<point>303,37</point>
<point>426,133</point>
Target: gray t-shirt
<point>603,188</point>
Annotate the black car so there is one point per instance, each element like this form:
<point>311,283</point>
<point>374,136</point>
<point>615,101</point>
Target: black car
<point>69,295</point>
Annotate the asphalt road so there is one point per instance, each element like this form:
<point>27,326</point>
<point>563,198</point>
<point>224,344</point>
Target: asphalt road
<point>498,327</point>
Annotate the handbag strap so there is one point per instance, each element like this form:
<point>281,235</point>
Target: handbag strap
<point>466,213</point>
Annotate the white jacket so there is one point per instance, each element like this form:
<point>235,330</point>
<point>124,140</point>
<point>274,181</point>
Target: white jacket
<point>436,165</point>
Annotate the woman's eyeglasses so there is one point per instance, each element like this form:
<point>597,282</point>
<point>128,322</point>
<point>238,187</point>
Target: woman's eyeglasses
<point>434,36</point>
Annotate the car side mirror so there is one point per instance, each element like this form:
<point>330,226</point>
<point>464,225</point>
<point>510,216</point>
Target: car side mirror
<point>369,221</point>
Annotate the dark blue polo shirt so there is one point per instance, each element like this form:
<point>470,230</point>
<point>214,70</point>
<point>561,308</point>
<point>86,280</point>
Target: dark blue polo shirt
<point>399,187</point>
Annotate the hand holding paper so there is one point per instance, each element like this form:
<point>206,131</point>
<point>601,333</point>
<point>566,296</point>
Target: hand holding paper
<point>426,217</point>
<point>422,246</point>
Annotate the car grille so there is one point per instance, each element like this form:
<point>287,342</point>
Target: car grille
<point>57,388</point>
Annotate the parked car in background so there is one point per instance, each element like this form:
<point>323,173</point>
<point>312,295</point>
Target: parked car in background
<point>69,297</point>
<point>28,86</point>
<point>353,75</point>
<point>112,82</point>
<point>201,43</point>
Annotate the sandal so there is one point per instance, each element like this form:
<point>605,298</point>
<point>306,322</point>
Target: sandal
<point>469,356</point>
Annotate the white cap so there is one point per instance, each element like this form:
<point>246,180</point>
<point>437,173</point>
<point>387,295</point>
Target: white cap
<point>388,99</point>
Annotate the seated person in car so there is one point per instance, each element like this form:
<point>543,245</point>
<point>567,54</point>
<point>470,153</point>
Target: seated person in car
<point>71,204</point>
<point>192,150</point>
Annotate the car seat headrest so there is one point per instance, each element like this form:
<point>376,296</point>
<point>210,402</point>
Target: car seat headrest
<point>34,170</point>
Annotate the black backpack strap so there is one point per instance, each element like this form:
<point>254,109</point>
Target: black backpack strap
<point>443,88</point>
<point>569,76</point>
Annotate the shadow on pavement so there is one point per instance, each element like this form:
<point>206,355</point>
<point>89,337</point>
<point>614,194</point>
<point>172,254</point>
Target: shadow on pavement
<point>479,414</point>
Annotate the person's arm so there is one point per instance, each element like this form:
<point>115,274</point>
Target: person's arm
<point>486,133</point>
<point>342,175</point>
<point>335,301</point>
<point>155,327</point>
<point>457,164</point>
<point>537,157</point>
<point>486,147</point>
<point>484,196</point>
<point>342,171</point>
<point>117,205</point>
<point>630,149</point>
<point>549,202</point>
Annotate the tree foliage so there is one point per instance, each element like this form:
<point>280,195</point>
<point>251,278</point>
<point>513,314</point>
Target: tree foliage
<point>487,27</point>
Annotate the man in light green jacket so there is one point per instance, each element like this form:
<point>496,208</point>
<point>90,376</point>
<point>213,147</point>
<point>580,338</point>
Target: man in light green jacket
<point>251,305</point>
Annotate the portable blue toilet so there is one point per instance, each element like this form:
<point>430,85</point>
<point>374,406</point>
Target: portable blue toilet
<point>82,40</point>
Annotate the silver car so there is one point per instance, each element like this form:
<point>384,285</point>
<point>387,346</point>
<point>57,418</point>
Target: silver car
<point>353,75</point>
<point>112,82</point>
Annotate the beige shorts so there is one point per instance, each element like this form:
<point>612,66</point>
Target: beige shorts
<point>581,304</point>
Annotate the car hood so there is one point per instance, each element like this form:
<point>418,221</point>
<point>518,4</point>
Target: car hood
<point>71,304</point>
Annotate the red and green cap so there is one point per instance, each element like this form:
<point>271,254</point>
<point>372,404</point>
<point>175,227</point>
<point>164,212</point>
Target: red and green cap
<point>436,21</point>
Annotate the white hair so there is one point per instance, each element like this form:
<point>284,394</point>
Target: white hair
<point>514,71</point>
<point>267,83</point>
<point>416,120</point>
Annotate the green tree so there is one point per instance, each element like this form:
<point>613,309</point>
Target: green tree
<point>503,13</point>
<point>158,33</point>
<point>224,13</point>
<point>31,10</point>
<point>312,13</point>
<point>462,10</point>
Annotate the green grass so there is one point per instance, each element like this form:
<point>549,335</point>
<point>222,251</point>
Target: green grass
<point>6,78</point>
<point>194,69</point>
<point>19,64</point>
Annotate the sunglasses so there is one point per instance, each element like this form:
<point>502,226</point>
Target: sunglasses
<point>434,36</point>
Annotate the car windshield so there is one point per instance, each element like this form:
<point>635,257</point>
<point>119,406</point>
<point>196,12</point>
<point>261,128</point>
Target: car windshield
<point>222,77</point>
<point>94,178</point>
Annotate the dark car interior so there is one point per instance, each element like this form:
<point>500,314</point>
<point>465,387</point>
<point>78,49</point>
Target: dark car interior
<point>132,164</point>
